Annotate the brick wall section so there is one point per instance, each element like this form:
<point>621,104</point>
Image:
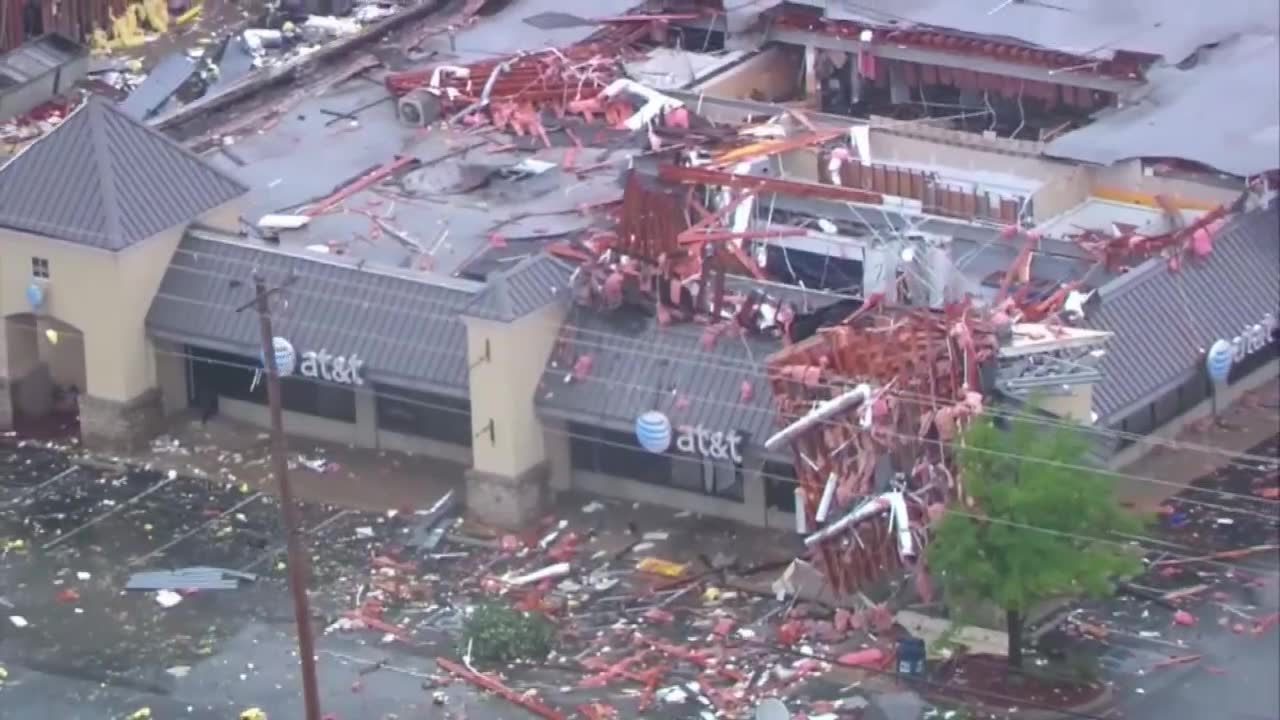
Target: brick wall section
<point>115,427</point>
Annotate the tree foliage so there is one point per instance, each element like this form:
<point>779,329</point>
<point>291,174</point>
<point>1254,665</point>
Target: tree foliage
<point>498,634</point>
<point>1041,525</point>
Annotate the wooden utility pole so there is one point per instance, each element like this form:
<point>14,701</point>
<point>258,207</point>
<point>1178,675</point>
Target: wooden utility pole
<point>297,560</point>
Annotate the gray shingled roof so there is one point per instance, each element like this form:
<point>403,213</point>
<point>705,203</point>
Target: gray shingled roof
<point>529,285</point>
<point>1164,321</point>
<point>102,179</point>
<point>407,331</point>
<point>638,365</point>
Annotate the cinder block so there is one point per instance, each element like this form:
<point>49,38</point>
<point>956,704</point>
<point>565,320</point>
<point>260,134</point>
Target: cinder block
<point>506,502</point>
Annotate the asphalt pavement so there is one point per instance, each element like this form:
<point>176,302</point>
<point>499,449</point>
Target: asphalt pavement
<point>76,646</point>
<point>1198,639</point>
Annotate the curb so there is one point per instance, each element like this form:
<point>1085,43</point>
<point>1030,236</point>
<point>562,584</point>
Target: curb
<point>1092,707</point>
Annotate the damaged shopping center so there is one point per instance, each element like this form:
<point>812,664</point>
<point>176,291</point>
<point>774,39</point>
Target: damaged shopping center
<point>576,261</point>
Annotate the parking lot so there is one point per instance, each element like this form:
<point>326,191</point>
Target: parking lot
<point>75,645</point>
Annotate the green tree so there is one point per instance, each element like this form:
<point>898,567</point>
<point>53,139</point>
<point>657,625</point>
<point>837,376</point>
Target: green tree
<point>1040,527</point>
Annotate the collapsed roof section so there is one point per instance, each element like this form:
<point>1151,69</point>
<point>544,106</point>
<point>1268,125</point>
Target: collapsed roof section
<point>1180,114</point>
<point>1097,29</point>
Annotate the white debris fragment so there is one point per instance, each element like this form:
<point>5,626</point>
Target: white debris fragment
<point>551,571</point>
<point>674,695</point>
<point>18,621</point>
<point>168,598</point>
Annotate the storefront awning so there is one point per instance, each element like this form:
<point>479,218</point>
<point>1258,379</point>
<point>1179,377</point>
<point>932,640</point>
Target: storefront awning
<point>405,331</point>
<point>636,366</point>
<point>1163,320</point>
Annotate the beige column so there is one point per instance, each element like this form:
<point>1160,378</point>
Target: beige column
<point>507,483</point>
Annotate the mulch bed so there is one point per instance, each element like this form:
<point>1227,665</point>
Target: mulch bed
<point>986,680</point>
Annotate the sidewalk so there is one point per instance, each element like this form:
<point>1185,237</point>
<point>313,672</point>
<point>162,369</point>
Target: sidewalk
<point>1243,425</point>
<point>356,478</point>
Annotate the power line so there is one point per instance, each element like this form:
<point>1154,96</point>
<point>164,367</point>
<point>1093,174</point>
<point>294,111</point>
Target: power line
<point>417,345</point>
<point>730,364</point>
<point>790,480</point>
<point>423,350</point>
<point>1233,457</point>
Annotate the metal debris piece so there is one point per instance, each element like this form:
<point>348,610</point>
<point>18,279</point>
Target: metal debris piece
<point>153,94</point>
<point>192,578</point>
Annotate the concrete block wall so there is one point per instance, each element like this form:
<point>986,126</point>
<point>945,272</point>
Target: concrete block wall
<point>115,427</point>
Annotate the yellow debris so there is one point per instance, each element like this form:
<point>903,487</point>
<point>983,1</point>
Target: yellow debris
<point>155,14</point>
<point>140,714</point>
<point>189,15</point>
<point>664,568</point>
<point>253,714</point>
<point>711,594</point>
<point>98,41</point>
<point>18,544</point>
<point>4,674</point>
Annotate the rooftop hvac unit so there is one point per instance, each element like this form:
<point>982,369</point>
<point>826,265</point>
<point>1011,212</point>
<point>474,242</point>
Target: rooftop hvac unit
<point>419,108</point>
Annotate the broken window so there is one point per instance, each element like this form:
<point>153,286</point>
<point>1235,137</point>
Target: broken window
<point>40,268</point>
<point>779,486</point>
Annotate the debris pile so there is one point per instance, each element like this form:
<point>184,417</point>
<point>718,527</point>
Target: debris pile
<point>696,632</point>
<point>513,92</point>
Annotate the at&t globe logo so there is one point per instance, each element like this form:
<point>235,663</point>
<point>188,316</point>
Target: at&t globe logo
<point>286,357</point>
<point>653,432</point>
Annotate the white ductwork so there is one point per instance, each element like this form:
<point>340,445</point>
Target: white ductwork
<point>824,411</point>
<point>894,503</point>
<point>902,525</point>
<point>828,494</point>
<point>654,102</point>
<point>868,509</point>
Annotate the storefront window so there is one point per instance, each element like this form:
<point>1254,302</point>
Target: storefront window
<point>1193,392</point>
<point>609,452</point>
<point>425,415</point>
<point>780,486</point>
<point>232,376</point>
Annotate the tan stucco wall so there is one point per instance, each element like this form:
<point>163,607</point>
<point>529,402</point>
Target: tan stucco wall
<point>103,295</point>
<point>19,356</point>
<point>85,291</point>
<point>171,375</point>
<point>504,386</point>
